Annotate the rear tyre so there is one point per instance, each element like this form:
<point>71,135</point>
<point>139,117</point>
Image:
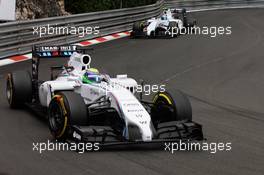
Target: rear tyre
<point>65,110</point>
<point>173,106</point>
<point>18,88</point>
<point>137,26</point>
<point>137,29</point>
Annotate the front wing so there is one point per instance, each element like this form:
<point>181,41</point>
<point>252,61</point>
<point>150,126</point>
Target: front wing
<point>174,131</point>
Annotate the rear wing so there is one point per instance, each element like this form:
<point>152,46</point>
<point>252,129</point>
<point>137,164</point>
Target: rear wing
<point>179,10</point>
<point>53,51</point>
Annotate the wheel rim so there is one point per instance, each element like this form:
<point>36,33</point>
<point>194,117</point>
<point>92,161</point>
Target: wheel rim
<point>160,103</point>
<point>164,108</point>
<point>56,118</point>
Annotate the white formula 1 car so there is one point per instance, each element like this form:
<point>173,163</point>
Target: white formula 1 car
<point>171,23</point>
<point>86,106</point>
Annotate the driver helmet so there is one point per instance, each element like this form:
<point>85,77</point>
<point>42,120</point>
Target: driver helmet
<point>92,76</point>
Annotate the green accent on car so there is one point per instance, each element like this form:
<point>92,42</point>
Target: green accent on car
<point>86,80</point>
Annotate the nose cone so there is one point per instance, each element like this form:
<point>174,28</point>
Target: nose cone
<point>135,115</point>
<point>147,134</point>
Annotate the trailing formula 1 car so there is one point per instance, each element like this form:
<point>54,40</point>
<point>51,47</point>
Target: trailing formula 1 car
<point>171,23</point>
<point>84,105</point>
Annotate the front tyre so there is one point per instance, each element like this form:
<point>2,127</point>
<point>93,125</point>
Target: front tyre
<point>173,29</point>
<point>18,88</point>
<point>174,106</point>
<point>65,110</point>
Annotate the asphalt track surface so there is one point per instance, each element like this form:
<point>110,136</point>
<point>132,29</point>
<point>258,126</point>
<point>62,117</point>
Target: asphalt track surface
<point>223,76</point>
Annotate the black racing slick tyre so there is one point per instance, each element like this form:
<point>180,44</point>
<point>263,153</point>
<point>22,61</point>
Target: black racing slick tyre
<point>18,88</point>
<point>174,106</point>
<point>137,27</point>
<point>173,29</point>
<point>66,109</point>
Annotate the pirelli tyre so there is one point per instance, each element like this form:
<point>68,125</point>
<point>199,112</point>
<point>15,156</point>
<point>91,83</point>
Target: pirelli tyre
<point>137,26</point>
<point>174,106</point>
<point>173,29</point>
<point>66,109</point>
<point>18,88</point>
<point>137,29</point>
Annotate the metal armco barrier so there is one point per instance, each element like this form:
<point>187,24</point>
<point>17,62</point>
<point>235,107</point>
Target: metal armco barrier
<point>17,38</point>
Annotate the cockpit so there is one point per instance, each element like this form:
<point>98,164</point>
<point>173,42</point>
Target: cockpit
<point>164,17</point>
